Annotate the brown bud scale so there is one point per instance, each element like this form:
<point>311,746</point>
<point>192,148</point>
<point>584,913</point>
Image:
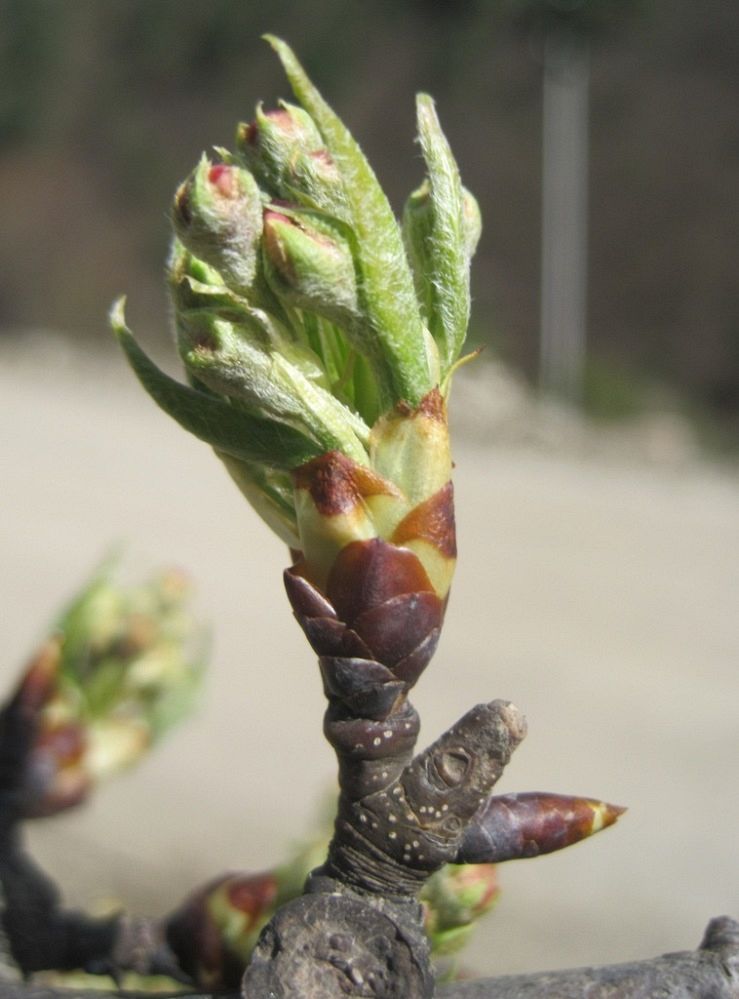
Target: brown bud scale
<point>379,606</point>
<point>337,484</point>
<point>432,521</point>
<point>432,405</point>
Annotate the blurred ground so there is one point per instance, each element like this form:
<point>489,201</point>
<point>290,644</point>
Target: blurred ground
<point>596,588</point>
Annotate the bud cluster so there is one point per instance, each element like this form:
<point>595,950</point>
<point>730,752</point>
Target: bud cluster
<point>318,333</point>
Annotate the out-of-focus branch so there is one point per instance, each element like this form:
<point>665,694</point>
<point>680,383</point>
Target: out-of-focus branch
<point>711,972</point>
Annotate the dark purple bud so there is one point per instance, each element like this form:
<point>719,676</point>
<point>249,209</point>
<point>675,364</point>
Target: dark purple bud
<point>513,826</point>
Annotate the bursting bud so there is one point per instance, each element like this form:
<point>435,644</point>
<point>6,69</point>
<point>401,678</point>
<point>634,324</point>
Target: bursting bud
<point>310,267</point>
<point>123,670</point>
<point>214,931</point>
<point>217,215</point>
<point>311,369</point>
<point>286,153</point>
<point>454,899</point>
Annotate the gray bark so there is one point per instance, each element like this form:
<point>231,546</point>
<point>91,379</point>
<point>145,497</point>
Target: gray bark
<point>711,972</point>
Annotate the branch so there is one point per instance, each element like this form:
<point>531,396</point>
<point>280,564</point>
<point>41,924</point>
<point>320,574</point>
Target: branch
<point>711,972</point>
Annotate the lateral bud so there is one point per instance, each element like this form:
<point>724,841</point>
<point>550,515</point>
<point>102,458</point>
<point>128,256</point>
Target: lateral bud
<point>418,221</point>
<point>513,826</point>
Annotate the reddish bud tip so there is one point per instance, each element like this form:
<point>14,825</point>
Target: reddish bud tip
<point>222,177</point>
<point>247,134</point>
<point>270,216</point>
<point>282,119</point>
<point>252,894</point>
<point>322,156</point>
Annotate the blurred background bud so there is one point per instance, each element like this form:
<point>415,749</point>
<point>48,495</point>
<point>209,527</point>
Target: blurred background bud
<point>214,930</point>
<point>128,667</point>
<point>454,899</point>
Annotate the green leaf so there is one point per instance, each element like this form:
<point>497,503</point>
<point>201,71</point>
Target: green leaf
<point>219,424</point>
<point>272,500</point>
<point>386,283</point>
<point>446,245</point>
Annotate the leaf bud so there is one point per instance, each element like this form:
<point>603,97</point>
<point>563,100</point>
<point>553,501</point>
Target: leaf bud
<point>235,356</point>
<point>270,142</point>
<point>310,267</point>
<point>418,221</point>
<point>217,215</point>
<point>286,153</point>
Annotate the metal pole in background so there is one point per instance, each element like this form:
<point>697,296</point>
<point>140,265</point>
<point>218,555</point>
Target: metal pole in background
<point>564,215</point>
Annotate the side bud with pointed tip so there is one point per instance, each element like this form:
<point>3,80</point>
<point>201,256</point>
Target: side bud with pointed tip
<point>513,826</point>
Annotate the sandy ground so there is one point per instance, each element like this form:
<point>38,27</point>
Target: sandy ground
<point>598,593</point>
